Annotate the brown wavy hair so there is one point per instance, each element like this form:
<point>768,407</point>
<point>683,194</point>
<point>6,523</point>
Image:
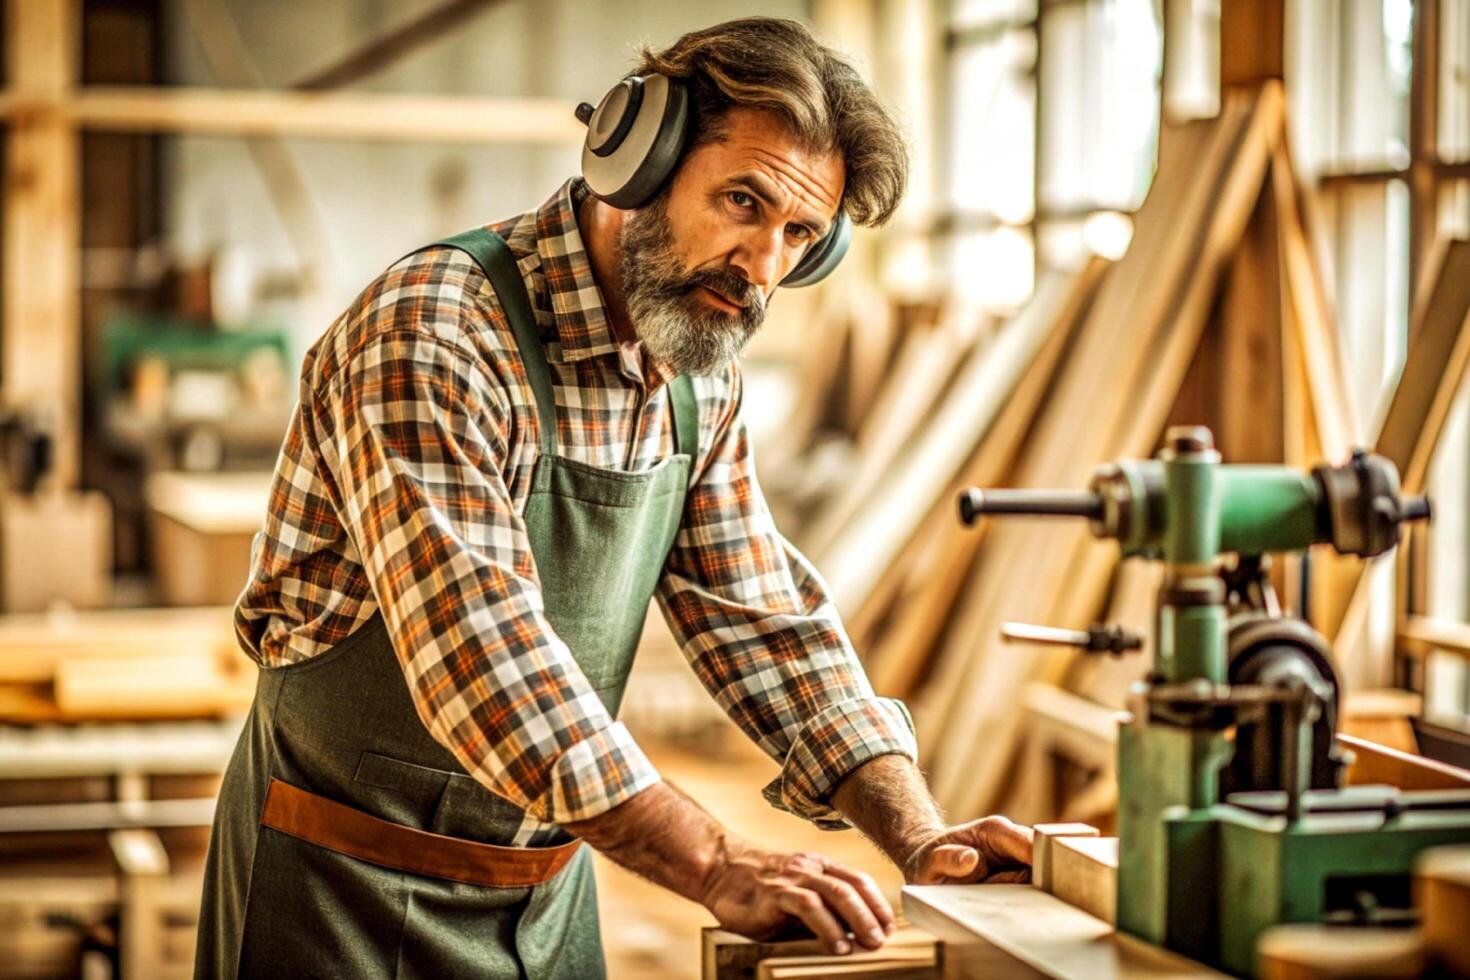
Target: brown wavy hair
<point>770,63</point>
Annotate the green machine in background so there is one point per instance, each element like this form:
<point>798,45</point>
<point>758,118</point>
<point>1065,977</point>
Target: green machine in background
<point>1232,817</point>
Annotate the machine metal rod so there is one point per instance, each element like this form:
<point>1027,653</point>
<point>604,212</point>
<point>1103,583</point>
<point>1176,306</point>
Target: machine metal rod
<point>1041,503</point>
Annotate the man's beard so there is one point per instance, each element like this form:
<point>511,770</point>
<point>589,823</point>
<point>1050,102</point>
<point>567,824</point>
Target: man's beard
<point>678,329</point>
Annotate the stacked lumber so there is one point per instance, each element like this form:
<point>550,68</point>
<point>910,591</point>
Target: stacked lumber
<point>1216,315</point>
<point>1113,396</point>
<point>135,664</point>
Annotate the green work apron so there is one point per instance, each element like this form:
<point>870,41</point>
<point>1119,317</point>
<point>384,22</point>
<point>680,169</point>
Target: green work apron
<point>343,726</point>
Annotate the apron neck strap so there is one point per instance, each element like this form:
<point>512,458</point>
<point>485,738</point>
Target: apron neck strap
<point>686,417</point>
<point>494,258</point>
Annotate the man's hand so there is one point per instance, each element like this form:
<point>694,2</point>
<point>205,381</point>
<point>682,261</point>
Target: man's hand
<point>991,850</point>
<point>887,800</point>
<point>766,896</point>
<point>663,835</point>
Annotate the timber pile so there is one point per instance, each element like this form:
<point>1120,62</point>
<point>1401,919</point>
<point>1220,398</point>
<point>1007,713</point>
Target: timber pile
<point>135,664</point>
<point>1216,315</point>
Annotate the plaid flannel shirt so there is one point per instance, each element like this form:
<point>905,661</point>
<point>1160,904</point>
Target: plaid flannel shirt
<point>400,487</point>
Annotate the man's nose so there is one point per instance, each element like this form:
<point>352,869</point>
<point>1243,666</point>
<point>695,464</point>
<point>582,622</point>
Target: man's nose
<point>759,258</point>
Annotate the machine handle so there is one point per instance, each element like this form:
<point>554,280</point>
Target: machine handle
<point>1415,509</point>
<point>1044,503</point>
<point>1097,638</point>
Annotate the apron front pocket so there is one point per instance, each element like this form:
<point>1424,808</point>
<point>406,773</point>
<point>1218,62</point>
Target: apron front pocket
<point>399,792</point>
<point>352,912</point>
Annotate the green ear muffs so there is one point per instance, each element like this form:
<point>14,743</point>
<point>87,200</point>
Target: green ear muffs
<point>635,136</point>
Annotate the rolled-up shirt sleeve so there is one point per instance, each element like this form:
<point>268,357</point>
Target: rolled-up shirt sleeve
<point>413,433</point>
<point>755,621</point>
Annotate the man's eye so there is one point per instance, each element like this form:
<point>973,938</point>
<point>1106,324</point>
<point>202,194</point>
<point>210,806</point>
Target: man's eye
<point>742,200</point>
<point>800,232</point>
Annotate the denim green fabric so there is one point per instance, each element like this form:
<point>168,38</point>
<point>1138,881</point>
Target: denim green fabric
<point>343,725</point>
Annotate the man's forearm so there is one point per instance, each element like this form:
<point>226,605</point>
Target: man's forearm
<point>662,835</point>
<point>888,800</point>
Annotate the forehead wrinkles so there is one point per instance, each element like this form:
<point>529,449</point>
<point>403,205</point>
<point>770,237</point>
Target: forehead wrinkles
<point>797,181</point>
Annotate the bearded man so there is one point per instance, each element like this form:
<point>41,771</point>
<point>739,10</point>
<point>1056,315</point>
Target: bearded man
<point>507,445</point>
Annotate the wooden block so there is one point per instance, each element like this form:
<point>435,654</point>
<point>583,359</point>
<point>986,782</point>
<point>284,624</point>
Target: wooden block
<point>886,970</point>
<point>1046,835</point>
<point>1442,896</point>
<point>203,526</point>
<point>728,956</point>
<point>1084,873</point>
<point>914,963</point>
<point>1321,952</point>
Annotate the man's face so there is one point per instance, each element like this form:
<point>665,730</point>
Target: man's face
<point>701,261</point>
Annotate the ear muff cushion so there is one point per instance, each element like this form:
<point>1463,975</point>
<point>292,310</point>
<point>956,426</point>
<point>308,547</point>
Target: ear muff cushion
<point>649,150</point>
<point>824,256</point>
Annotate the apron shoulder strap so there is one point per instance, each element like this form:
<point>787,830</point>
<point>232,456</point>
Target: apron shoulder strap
<point>686,417</point>
<point>494,258</point>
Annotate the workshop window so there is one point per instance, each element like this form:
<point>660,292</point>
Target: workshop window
<point>1052,136</point>
<point>1447,678</point>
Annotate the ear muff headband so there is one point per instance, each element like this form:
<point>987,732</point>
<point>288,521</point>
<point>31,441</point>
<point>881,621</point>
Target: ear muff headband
<point>634,139</point>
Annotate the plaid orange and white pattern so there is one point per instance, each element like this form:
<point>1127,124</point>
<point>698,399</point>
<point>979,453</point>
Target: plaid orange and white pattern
<point>400,488</point>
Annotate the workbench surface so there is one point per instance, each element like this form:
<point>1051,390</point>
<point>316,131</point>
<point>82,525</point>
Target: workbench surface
<point>1020,930</point>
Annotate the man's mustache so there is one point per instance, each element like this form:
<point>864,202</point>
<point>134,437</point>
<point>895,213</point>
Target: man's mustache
<point>731,285</point>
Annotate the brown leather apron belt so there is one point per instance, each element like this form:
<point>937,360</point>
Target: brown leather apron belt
<point>341,828</point>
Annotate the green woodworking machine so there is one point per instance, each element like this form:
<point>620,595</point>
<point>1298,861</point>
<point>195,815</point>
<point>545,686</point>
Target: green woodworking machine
<point>1232,814</point>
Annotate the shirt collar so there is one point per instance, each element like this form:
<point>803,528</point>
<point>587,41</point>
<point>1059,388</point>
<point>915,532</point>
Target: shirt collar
<point>583,328</point>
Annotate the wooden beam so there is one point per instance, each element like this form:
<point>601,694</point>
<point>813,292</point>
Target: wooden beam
<point>311,115</point>
<point>1439,352</point>
<point>1423,136</point>
<point>391,47</point>
<point>1252,41</point>
<point>1032,934</point>
<point>41,311</point>
<point>1419,636</point>
<point>1375,764</point>
<point>1435,366</point>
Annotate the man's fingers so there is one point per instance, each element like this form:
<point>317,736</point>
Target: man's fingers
<point>844,899</point>
<point>955,860</point>
<point>1016,876</point>
<point>1007,839</point>
<point>869,890</point>
<point>807,905</point>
